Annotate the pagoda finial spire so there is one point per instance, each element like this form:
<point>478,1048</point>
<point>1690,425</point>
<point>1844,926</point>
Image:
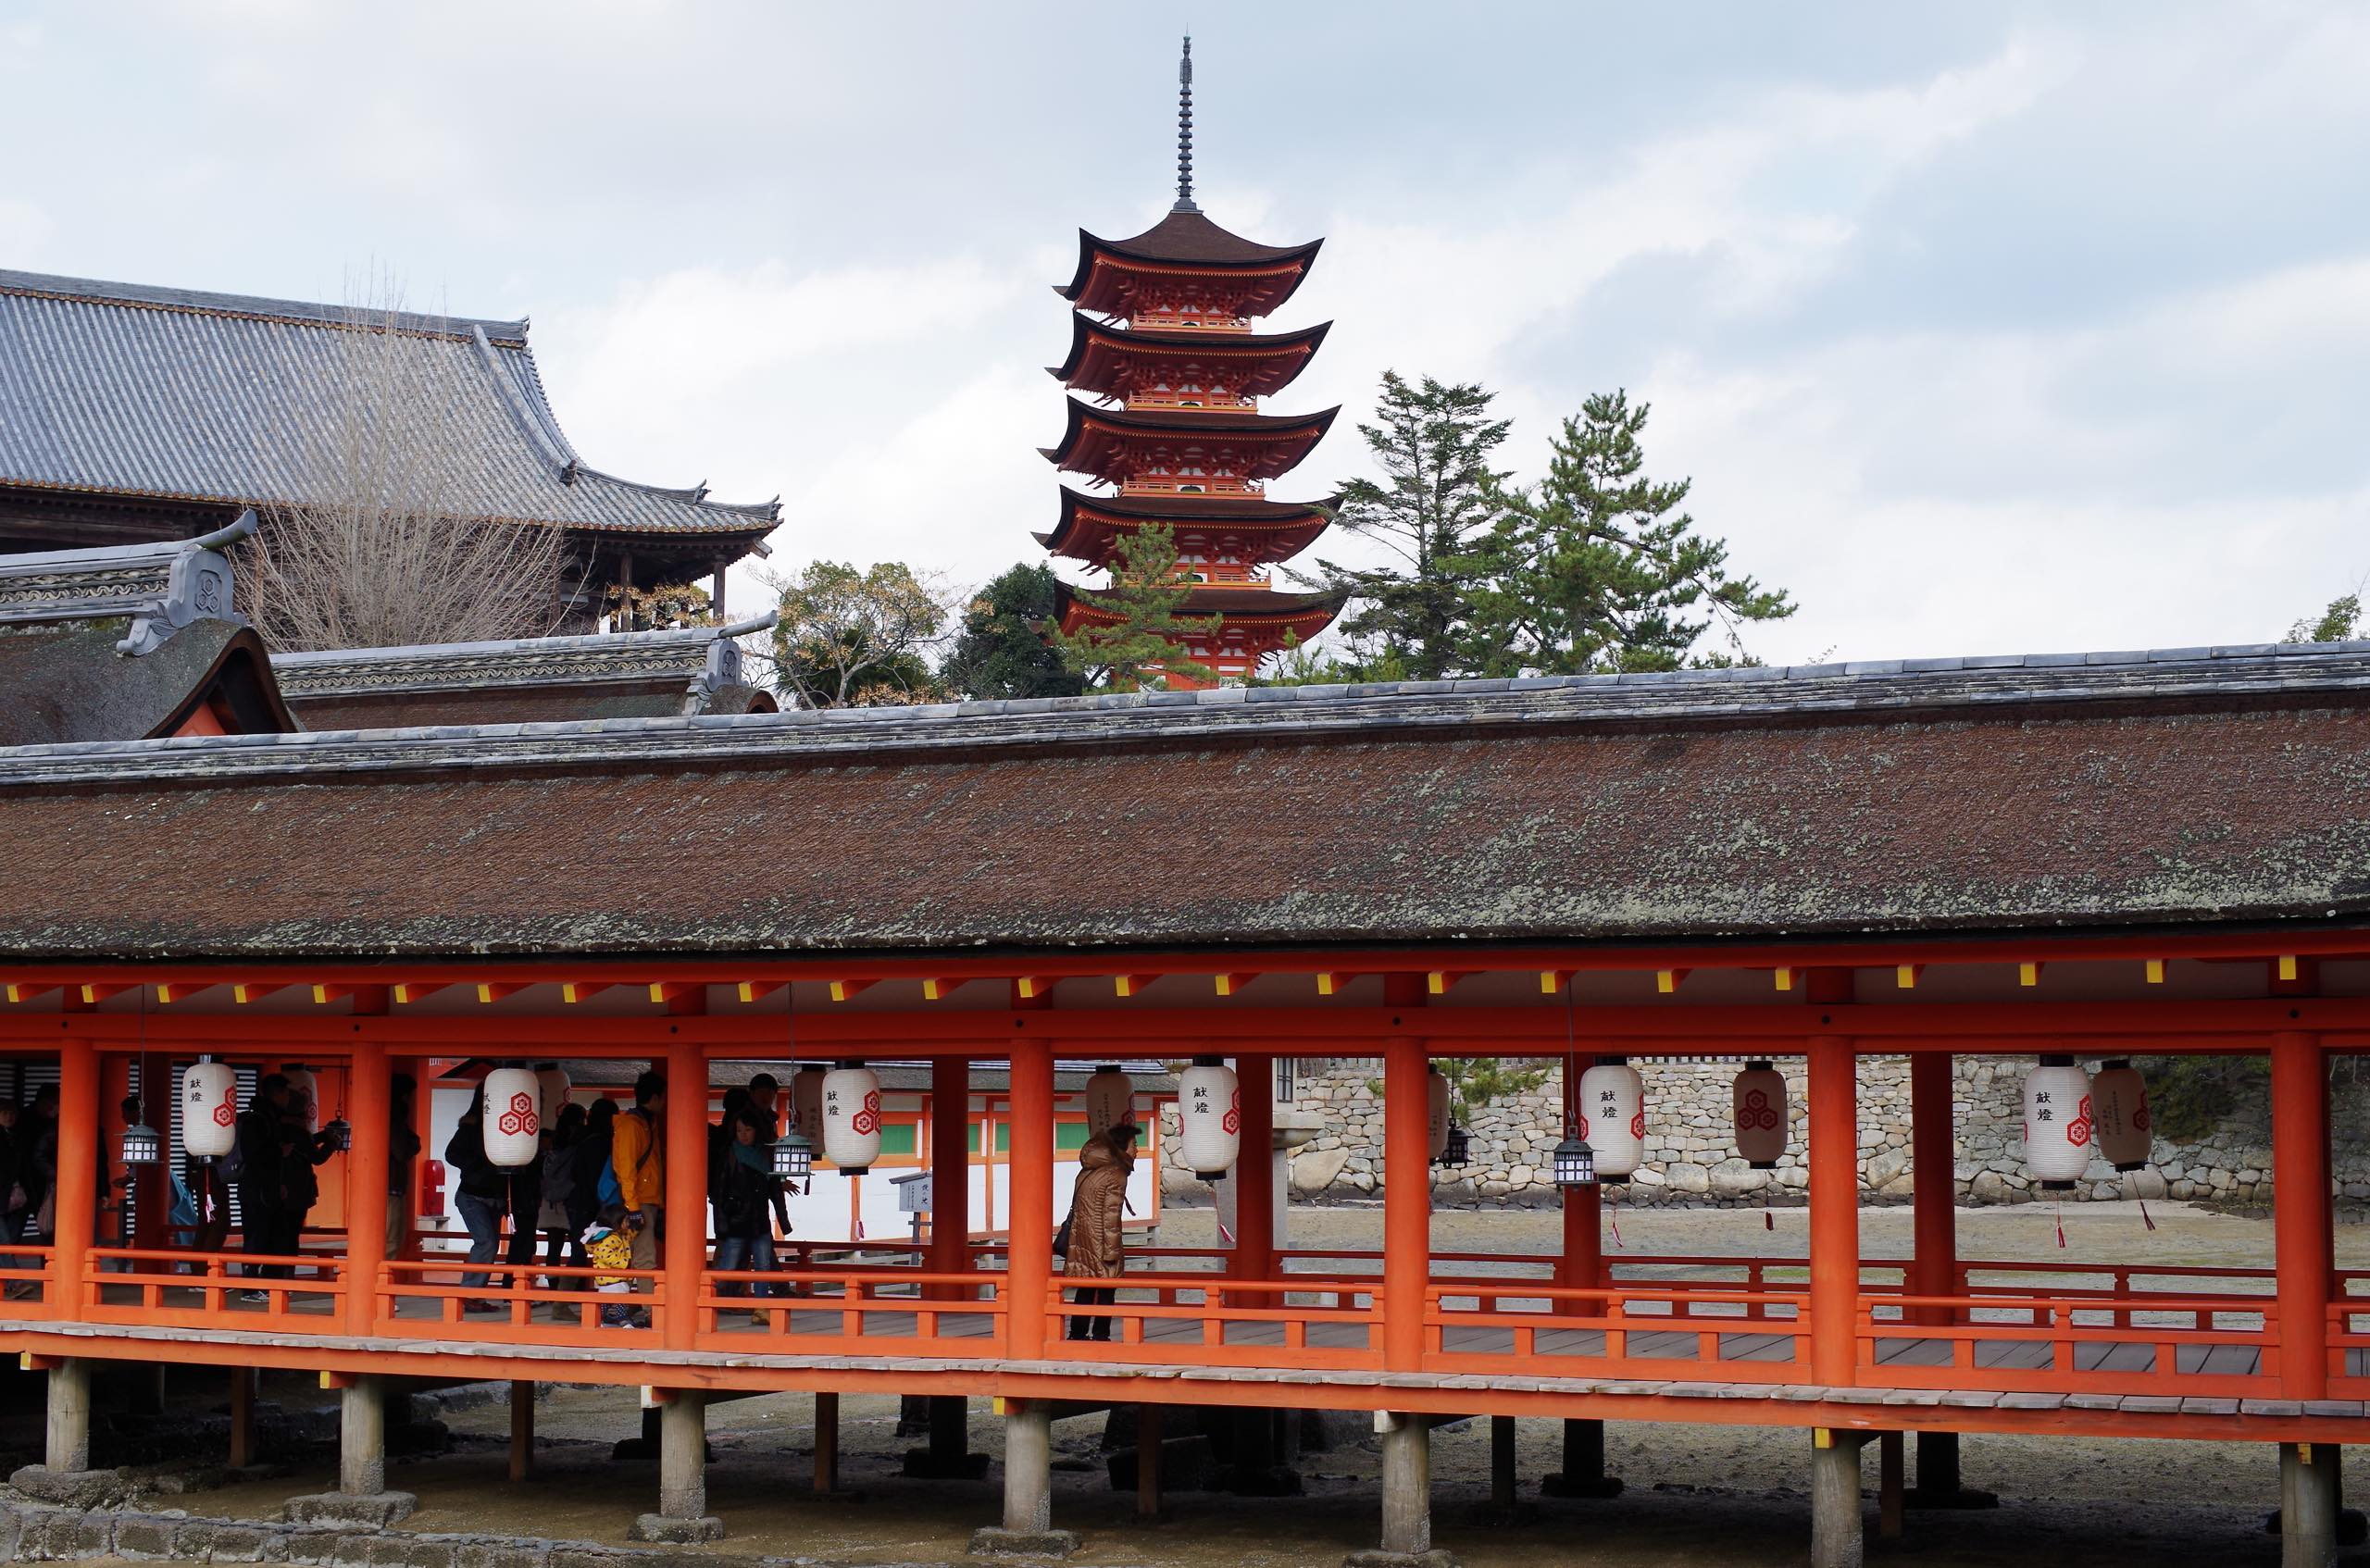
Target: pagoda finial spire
<point>1185,129</point>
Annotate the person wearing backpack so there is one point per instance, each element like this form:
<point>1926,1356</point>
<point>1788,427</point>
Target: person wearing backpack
<point>638,1164</point>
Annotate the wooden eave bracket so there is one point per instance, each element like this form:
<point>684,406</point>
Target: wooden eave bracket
<point>2028,972</point>
<point>324,995</point>
<point>409,990</point>
<point>1668,981</point>
<point>938,989</point>
<point>1904,976</point>
<point>93,994</point>
<point>181,991</point>
<point>1782,978</point>
<point>2155,971</point>
<point>574,992</point>
<point>667,992</point>
<point>1228,985</point>
<point>1129,985</point>
<point>243,994</point>
<point>27,993</point>
<point>1439,982</point>
<point>757,990</point>
<point>490,992</point>
<point>848,990</point>
<point>1551,981</point>
<point>1033,986</point>
<point>1330,982</point>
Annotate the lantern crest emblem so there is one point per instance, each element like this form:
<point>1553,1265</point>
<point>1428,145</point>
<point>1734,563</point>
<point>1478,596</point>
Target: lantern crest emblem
<point>520,1119</point>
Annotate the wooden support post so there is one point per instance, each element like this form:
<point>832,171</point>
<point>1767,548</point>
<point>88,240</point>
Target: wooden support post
<point>1027,1464</point>
<point>243,1417</point>
<point>2301,1218</point>
<point>1148,1452</point>
<point>67,1448</point>
<point>683,1439</point>
<point>362,1437</point>
<point>2308,1503</point>
<point>1406,1203</point>
<point>1837,1536</point>
<point>684,1253</point>
<point>77,1205</point>
<point>1502,1461</point>
<point>1406,1473</point>
<point>1835,1212</point>
<point>522,1428</point>
<point>1581,1265</point>
<point>1584,1474</point>
<point>1254,1175</point>
<point>370,1100</point>
<point>1889,1464</point>
<point>826,1444</point>
<point>1028,1270</point>
<point>949,1167</point>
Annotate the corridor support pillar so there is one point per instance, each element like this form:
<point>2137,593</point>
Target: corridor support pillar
<point>2300,1212</point>
<point>1835,1211</point>
<point>2308,1504</point>
<point>1407,1493</point>
<point>369,1107</point>
<point>1027,1527</point>
<point>682,1254</point>
<point>682,1515</point>
<point>1029,1283</point>
<point>1581,1267</point>
<point>362,1497</point>
<point>1838,1537</point>
<point>1406,1203</point>
<point>947,1455</point>
<point>1934,1257</point>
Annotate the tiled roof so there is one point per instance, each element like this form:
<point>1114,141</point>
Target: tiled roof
<point>2194,787</point>
<point>122,390</point>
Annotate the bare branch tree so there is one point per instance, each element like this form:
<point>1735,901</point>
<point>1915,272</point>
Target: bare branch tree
<point>379,550</point>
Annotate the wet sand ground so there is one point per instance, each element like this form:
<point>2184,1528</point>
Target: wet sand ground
<point>1705,1496</point>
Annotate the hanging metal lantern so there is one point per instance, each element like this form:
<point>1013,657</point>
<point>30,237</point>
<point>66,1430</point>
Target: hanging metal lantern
<point>1209,1117</point>
<point>1574,1161</point>
<point>794,1156</point>
<point>806,1103</point>
<point>852,1117</point>
<point>1110,1098</point>
<point>340,1132</point>
<point>1612,1112</point>
<point>1436,1096</point>
<point>304,1090</point>
<point>2119,1111</point>
<point>1760,1097</point>
<point>2059,1132</point>
<point>514,1118</point>
<point>1457,1146</point>
<point>210,1109</point>
<point>552,1086</point>
<point>143,1145</point>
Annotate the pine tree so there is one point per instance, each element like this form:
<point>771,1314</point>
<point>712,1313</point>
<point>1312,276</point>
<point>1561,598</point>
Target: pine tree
<point>1000,652</point>
<point>1597,568</point>
<point>1433,444</point>
<point>1147,642</point>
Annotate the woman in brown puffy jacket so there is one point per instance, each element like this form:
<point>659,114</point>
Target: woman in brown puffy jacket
<point>1097,1247</point>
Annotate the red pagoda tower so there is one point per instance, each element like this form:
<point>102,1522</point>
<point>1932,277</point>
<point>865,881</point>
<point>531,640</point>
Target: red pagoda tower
<point>1163,338</point>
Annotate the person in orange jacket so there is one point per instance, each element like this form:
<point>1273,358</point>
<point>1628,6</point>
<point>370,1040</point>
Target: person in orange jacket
<point>638,1156</point>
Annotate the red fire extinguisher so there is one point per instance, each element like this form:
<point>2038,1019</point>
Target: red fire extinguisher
<point>431,1189</point>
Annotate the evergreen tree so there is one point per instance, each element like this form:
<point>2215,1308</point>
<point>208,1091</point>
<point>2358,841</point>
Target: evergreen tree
<point>1597,568</point>
<point>1148,639</point>
<point>2341,622</point>
<point>855,638</point>
<point>1432,442</point>
<point>1000,652</point>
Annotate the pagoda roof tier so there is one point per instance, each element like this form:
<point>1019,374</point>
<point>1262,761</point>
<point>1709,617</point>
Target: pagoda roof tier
<point>1117,361</point>
<point>1241,609</point>
<point>1109,271</point>
<point>1113,444</point>
<point>1261,530</point>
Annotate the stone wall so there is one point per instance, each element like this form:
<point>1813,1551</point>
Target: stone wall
<point>1691,1151</point>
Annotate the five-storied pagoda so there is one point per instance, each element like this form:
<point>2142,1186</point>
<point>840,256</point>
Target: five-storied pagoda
<point>1162,338</point>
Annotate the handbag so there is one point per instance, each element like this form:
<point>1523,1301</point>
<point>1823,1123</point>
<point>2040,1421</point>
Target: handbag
<point>1062,1235</point>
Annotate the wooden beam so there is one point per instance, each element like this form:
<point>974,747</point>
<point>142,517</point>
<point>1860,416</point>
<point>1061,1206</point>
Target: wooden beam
<point>412,990</point>
<point>1668,981</point>
<point>1228,985</point>
<point>1439,982</point>
<point>668,993</point>
<point>324,995</point>
<point>2155,971</point>
<point>1031,986</point>
<point>490,992</point>
<point>243,994</point>
<point>848,990</point>
<point>573,991</point>
<point>1330,982</point>
<point>1130,985</point>
<point>1904,976</point>
<point>757,990</point>
<point>168,994</point>
<point>938,989</point>
<point>94,992</point>
<point>1783,977</point>
<point>2028,973</point>
<point>26,993</point>
<point>1553,981</point>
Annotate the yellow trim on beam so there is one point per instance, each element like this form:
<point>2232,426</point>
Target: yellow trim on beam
<point>2287,966</point>
<point>1666,981</point>
<point>1326,981</point>
<point>1904,976</point>
<point>2027,973</point>
<point>1784,977</point>
<point>1436,982</point>
<point>933,991</point>
<point>2155,971</point>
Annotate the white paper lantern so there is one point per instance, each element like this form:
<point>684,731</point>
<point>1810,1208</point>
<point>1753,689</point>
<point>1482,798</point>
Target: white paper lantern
<point>2119,1109</point>
<point>210,1109</point>
<point>852,1117</point>
<point>2059,1132</point>
<point>1760,1097</point>
<point>514,1117</point>
<point>552,1086</point>
<point>1613,1117</point>
<point>1209,1117</point>
<point>303,1092</point>
<point>1110,1099</point>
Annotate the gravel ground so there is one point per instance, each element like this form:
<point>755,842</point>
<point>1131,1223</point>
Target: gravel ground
<point>1707,1497</point>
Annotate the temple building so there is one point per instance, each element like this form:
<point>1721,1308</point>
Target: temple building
<point>131,414</point>
<point>1164,339</point>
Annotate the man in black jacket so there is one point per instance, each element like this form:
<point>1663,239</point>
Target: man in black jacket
<point>262,1199</point>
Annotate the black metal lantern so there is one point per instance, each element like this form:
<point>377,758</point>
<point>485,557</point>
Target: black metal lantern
<point>1456,1148</point>
<point>143,1145</point>
<point>340,1132</point>
<point>1574,1161</point>
<point>794,1156</point>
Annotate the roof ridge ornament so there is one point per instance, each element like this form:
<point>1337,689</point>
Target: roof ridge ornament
<point>1185,129</point>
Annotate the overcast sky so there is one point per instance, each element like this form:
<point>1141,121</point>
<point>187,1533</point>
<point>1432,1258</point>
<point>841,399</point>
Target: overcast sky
<point>1981,328</point>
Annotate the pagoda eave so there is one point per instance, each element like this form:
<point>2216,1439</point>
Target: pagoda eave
<point>1182,242</point>
<point>1114,445</point>
<point>1113,361</point>
<point>1254,534</point>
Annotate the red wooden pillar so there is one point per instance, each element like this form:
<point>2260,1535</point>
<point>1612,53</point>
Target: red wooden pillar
<point>1933,1156</point>
<point>78,1173</point>
<point>1254,1175</point>
<point>2301,1219</point>
<point>1406,1202</point>
<point>950,1166</point>
<point>369,1106</point>
<point>1028,1271</point>
<point>1835,1210</point>
<point>685,1254</point>
<point>1581,1267</point>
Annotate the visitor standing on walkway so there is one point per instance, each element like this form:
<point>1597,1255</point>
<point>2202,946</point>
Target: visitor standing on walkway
<point>403,1149</point>
<point>638,1157</point>
<point>741,1185</point>
<point>483,1197</point>
<point>256,1175</point>
<point>303,1152</point>
<point>1096,1246</point>
<point>561,1144</point>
